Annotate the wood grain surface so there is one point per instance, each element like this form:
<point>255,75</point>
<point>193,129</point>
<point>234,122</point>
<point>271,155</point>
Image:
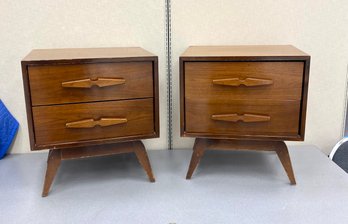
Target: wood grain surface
<point>282,117</point>
<point>50,121</point>
<point>47,88</point>
<point>201,80</point>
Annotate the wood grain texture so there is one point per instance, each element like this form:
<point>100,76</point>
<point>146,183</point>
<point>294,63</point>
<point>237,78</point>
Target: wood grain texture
<point>243,51</point>
<point>56,156</point>
<point>91,102</point>
<point>283,79</point>
<point>47,89</point>
<point>50,121</point>
<point>86,53</point>
<point>286,66</point>
<point>201,145</point>
<point>53,163</point>
<point>284,118</point>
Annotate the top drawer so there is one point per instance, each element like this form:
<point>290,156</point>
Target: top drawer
<point>242,80</point>
<point>58,84</point>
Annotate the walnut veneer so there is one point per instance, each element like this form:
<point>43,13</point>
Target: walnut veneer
<point>249,97</point>
<point>91,102</point>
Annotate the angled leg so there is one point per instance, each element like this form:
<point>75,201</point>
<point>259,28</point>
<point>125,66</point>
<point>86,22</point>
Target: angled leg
<point>198,151</point>
<point>53,162</point>
<point>141,154</point>
<point>284,157</point>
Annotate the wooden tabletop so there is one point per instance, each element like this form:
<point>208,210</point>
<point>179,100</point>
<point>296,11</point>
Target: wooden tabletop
<point>86,53</point>
<point>243,51</point>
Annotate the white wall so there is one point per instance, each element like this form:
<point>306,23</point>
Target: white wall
<point>30,24</point>
<point>318,27</point>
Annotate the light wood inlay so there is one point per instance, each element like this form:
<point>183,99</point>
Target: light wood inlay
<point>245,82</point>
<point>248,118</point>
<point>91,123</point>
<point>88,83</point>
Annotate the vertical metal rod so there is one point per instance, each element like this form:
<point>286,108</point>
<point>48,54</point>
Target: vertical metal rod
<point>345,125</point>
<point>169,73</point>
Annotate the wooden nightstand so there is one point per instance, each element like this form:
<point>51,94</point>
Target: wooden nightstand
<point>91,102</point>
<point>244,98</point>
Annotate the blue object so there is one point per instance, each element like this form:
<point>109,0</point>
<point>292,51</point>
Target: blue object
<point>8,129</point>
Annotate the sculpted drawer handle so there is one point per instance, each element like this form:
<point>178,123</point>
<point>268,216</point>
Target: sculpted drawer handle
<point>88,83</point>
<point>241,117</point>
<point>91,123</point>
<point>245,82</point>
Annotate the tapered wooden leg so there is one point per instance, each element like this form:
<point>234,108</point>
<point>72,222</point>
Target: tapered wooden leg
<point>53,162</point>
<point>203,144</point>
<point>141,154</point>
<point>198,151</point>
<point>284,157</point>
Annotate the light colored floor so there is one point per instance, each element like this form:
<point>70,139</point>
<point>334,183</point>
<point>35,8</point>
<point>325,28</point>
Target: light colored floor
<point>228,187</point>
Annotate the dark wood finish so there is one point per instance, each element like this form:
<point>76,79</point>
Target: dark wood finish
<point>201,145</point>
<point>140,152</point>
<point>50,121</point>
<point>47,82</point>
<point>79,100</point>
<point>243,97</point>
<point>53,163</point>
<point>283,118</point>
<point>55,157</point>
<point>283,80</point>
<point>220,59</point>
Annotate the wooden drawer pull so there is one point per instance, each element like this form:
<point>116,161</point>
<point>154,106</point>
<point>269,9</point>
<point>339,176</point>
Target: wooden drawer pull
<point>91,123</point>
<point>88,83</point>
<point>245,82</point>
<point>243,117</point>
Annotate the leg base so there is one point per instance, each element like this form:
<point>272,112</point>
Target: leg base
<point>202,144</point>
<point>56,156</point>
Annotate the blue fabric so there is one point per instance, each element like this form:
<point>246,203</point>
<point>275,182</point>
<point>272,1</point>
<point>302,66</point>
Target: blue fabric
<point>8,129</point>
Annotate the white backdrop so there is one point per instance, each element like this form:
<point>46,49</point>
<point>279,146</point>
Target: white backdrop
<point>318,27</point>
<point>30,24</point>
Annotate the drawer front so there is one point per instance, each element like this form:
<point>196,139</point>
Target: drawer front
<point>243,80</point>
<point>242,118</point>
<point>58,84</point>
<point>91,121</point>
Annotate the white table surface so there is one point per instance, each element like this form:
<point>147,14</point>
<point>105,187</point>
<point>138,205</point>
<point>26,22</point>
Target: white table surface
<point>227,187</point>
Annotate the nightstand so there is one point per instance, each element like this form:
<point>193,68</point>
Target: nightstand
<point>243,98</point>
<point>91,102</point>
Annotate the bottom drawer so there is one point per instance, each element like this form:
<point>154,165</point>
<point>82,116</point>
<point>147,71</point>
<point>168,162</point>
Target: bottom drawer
<point>91,121</point>
<point>242,118</point>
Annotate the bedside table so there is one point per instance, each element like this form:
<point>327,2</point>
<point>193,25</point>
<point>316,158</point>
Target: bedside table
<point>243,98</point>
<point>91,102</point>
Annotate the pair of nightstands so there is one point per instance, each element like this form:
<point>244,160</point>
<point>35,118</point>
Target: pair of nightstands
<point>94,102</point>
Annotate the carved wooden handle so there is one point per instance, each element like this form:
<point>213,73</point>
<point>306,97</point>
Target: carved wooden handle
<point>245,82</point>
<point>91,123</point>
<point>241,117</point>
<point>88,83</point>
